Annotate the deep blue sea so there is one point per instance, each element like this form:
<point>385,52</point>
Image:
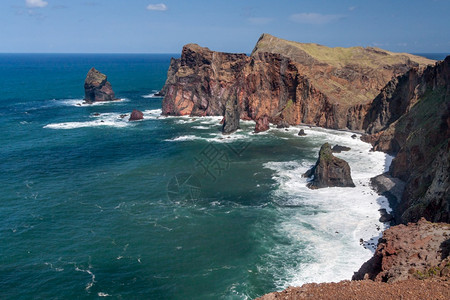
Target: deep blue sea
<point>92,205</point>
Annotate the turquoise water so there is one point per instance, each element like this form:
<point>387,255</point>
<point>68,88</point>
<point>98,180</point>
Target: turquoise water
<point>94,206</point>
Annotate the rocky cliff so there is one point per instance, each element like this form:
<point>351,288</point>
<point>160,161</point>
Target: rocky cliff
<point>285,81</point>
<point>417,250</point>
<point>411,119</point>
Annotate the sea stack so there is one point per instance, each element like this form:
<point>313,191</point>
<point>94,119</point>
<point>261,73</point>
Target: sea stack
<point>97,87</point>
<point>329,171</point>
<point>231,118</point>
<point>262,124</point>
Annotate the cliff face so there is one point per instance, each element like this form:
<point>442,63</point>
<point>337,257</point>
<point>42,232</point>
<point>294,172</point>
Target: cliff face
<point>283,80</point>
<point>411,118</point>
<point>417,250</point>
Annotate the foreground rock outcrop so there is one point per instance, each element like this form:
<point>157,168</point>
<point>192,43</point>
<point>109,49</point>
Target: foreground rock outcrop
<point>285,81</point>
<point>411,289</point>
<point>417,250</point>
<point>97,87</point>
<point>329,171</point>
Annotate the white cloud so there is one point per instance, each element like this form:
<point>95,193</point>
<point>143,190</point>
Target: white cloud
<point>159,7</point>
<point>260,21</point>
<point>36,3</point>
<point>314,18</point>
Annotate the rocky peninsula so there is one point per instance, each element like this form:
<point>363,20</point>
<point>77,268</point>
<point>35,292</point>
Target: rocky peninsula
<point>400,102</point>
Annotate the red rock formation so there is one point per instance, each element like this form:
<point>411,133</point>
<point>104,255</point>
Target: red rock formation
<point>136,115</point>
<point>97,87</point>
<point>410,289</point>
<point>417,250</point>
<point>294,82</point>
<point>262,124</point>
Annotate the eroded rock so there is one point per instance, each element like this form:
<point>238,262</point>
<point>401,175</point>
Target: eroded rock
<point>329,171</point>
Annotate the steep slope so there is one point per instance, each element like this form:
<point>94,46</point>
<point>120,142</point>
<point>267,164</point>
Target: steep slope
<point>348,76</point>
<point>411,118</point>
<point>285,81</point>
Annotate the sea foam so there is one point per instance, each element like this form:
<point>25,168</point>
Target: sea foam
<point>326,226</point>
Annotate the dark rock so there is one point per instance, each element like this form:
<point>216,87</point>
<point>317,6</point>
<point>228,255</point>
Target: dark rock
<point>96,114</point>
<point>411,120</point>
<point>262,124</point>
<point>123,116</point>
<point>339,149</point>
<point>136,115</point>
<point>231,118</point>
<point>385,216</point>
<point>354,136</point>
<point>301,132</point>
<point>97,87</point>
<point>329,171</point>
<point>159,94</point>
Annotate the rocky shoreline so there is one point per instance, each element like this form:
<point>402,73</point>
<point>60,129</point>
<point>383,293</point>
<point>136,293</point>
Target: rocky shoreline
<point>402,107</point>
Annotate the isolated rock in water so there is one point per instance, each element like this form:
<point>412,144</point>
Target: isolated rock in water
<point>97,87</point>
<point>339,149</point>
<point>262,124</point>
<point>301,132</point>
<point>136,115</point>
<point>231,118</point>
<point>329,171</point>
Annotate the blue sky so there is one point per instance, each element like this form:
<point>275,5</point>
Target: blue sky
<point>164,26</point>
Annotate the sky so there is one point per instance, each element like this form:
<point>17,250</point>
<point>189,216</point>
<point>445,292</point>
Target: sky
<point>164,26</point>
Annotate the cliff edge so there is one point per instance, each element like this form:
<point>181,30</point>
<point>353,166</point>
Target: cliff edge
<point>286,81</point>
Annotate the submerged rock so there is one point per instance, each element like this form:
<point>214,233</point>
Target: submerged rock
<point>231,118</point>
<point>329,171</point>
<point>339,149</point>
<point>136,115</point>
<point>262,124</point>
<point>97,87</point>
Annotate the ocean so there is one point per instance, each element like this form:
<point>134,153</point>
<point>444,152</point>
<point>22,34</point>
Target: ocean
<point>92,205</point>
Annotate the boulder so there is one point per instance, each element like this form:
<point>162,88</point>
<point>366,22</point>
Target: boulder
<point>262,124</point>
<point>385,217</point>
<point>97,87</point>
<point>231,118</point>
<point>136,115</point>
<point>329,171</point>
<point>339,149</point>
<point>301,132</point>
